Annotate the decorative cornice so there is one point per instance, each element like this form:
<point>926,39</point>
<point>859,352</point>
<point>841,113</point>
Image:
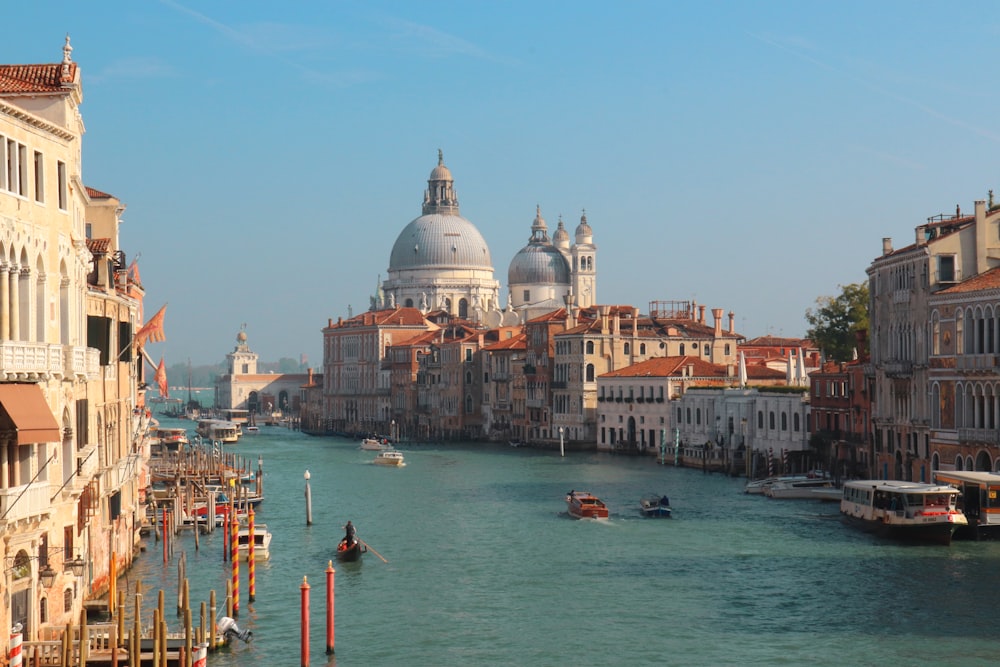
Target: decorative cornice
<point>34,121</point>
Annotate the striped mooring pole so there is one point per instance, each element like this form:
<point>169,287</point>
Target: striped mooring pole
<point>200,655</point>
<point>234,555</point>
<point>251,548</point>
<point>15,646</point>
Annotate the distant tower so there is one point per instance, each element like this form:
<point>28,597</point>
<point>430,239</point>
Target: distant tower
<point>583,265</point>
<point>241,360</point>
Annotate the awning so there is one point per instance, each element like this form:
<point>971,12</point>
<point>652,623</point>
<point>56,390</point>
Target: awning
<point>25,407</point>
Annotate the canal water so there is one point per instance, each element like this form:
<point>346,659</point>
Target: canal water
<point>486,568</point>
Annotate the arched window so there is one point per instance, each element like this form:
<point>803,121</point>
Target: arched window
<point>590,347</point>
<point>795,422</point>
<point>408,303</point>
<point>642,348</point>
<point>760,419</point>
<point>463,308</point>
<point>590,372</point>
<point>784,421</point>
<point>770,420</point>
<point>708,350</point>
<point>468,377</point>
<point>682,350</point>
<point>627,348</point>
<point>468,405</point>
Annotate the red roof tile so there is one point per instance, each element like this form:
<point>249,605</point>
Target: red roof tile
<point>984,281</point>
<point>20,79</point>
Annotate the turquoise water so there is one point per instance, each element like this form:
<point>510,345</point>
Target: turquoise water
<point>485,568</point>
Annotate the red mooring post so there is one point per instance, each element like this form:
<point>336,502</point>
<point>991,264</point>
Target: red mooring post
<point>304,622</point>
<point>330,630</point>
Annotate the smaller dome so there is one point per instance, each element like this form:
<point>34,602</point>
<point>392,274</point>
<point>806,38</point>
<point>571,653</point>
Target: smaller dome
<point>538,264</point>
<point>440,172</point>
<point>560,238</point>
<point>583,229</point>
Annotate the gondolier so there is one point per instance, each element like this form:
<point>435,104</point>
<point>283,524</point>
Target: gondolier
<point>350,535</point>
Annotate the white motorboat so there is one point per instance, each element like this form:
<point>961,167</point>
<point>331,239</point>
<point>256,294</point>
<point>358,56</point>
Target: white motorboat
<point>798,488</point>
<point>375,444</point>
<point>261,541</point>
<point>389,458</point>
<point>911,511</point>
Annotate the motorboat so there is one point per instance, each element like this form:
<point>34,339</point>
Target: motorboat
<point>375,444</point>
<point>797,488</point>
<point>912,511</point>
<point>389,458</point>
<point>261,542</point>
<point>762,486</point>
<point>655,506</point>
<point>585,505</point>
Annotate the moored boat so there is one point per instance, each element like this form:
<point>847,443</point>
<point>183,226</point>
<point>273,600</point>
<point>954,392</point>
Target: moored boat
<point>797,488</point>
<point>218,429</point>
<point>261,541</point>
<point>655,506</point>
<point>585,505</point>
<point>389,458</point>
<point>911,511</point>
<point>171,439</point>
<point>348,553</point>
<point>980,494</point>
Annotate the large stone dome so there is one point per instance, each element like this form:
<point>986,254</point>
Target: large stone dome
<point>440,240</point>
<point>538,264</point>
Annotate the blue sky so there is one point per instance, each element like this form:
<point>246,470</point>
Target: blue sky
<point>747,155</point>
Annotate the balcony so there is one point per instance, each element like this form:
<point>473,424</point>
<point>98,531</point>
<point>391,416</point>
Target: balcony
<point>898,368</point>
<point>979,435</point>
<point>22,360</point>
<point>976,362</point>
<point>33,504</point>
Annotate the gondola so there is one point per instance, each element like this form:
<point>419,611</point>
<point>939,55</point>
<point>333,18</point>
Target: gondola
<point>347,554</point>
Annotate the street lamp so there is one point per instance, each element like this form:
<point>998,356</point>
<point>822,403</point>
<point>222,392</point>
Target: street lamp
<point>47,575</point>
<point>76,566</point>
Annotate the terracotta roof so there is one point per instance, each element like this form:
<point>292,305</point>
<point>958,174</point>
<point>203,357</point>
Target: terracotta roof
<point>669,367</point>
<point>97,194</point>
<point>21,79</point>
<point>388,317</point>
<point>99,246</point>
<point>554,316</point>
<point>984,281</point>
<point>775,341</point>
<point>516,342</point>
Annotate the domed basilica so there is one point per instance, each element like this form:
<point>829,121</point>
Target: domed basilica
<point>440,261</point>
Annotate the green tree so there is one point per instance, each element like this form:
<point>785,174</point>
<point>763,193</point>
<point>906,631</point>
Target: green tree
<point>835,320</point>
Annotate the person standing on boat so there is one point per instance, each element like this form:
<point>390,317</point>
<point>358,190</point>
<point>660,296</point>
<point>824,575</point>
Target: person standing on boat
<point>350,536</point>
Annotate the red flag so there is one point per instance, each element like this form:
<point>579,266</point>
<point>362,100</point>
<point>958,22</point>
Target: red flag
<point>161,379</point>
<point>152,330</point>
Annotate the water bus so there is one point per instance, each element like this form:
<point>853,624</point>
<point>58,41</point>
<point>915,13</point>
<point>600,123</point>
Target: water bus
<point>979,501</point>
<point>911,511</point>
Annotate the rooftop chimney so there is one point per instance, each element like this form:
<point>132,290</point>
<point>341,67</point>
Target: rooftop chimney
<point>886,245</point>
